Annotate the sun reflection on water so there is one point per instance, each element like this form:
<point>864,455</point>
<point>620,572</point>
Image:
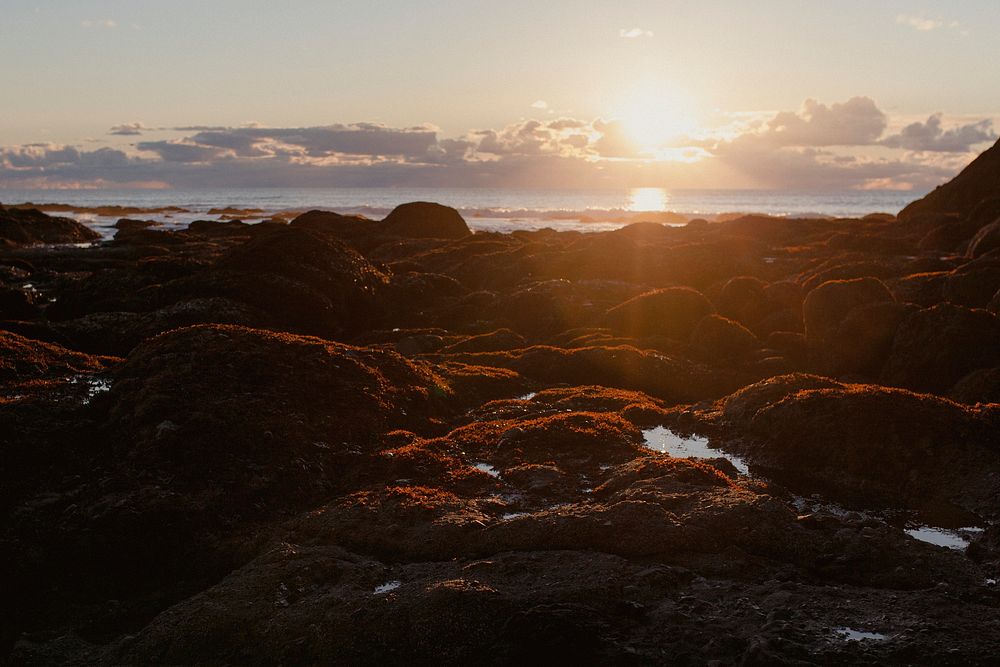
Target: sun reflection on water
<point>648,199</point>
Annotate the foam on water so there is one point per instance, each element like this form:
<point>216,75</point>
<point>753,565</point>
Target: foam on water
<point>664,440</point>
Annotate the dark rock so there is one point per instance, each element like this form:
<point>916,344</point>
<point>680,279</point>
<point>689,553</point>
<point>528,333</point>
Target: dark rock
<point>936,347</point>
<point>673,312</point>
<point>826,306</point>
<point>876,443</point>
<point>979,386</point>
<point>974,283</point>
<point>425,220</point>
<point>863,340</point>
<point>985,240</point>
<point>960,195</point>
<point>131,224</point>
<point>23,227</point>
<point>499,340</point>
<point>719,339</point>
<point>744,299</point>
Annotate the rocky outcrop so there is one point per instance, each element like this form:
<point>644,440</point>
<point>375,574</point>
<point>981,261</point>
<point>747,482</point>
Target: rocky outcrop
<point>959,196</point>
<point>425,220</point>
<point>24,227</point>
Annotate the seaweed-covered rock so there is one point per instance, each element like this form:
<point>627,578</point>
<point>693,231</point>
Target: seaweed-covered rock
<point>864,338</point>
<point>936,347</point>
<point>719,339</point>
<point>826,306</point>
<point>673,312</point>
<point>876,444</point>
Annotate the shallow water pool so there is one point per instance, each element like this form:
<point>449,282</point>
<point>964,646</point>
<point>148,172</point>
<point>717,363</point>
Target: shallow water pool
<point>666,441</point>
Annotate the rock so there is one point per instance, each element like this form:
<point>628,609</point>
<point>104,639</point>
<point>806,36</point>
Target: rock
<point>826,306</point>
<point>499,340</point>
<point>923,289</point>
<point>744,299</point>
<point>985,240</point>
<point>305,281</point>
<point>959,196</point>
<point>979,386</point>
<point>740,408</point>
<point>673,312</point>
<point>878,444</point>
<point>117,333</point>
<point>936,347</point>
<point>720,339</point>
<point>548,308</point>
<point>131,224</point>
<point>23,360</point>
<point>974,283</point>
<point>425,220</point>
<point>23,227</point>
<point>220,229</point>
<point>863,340</point>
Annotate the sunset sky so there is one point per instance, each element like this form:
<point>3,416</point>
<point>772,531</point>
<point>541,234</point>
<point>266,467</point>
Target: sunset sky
<point>776,94</point>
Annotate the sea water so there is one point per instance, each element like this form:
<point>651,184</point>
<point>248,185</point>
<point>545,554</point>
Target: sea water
<point>485,209</point>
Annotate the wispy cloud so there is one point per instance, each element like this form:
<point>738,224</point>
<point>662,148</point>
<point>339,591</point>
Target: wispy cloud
<point>109,24</point>
<point>633,33</point>
<point>923,23</point>
<point>128,129</point>
<point>539,104</point>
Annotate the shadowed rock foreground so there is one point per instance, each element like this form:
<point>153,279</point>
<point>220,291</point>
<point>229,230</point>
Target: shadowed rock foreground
<point>351,441</point>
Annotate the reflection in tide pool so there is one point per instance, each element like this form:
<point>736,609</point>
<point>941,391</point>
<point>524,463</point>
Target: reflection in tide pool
<point>958,538</point>
<point>648,199</point>
<point>664,440</point>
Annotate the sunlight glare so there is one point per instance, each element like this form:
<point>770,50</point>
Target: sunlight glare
<point>654,115</point>
<point>648,199</point>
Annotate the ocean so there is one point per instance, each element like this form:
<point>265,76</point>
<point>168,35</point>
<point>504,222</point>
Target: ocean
<point>483,208</point>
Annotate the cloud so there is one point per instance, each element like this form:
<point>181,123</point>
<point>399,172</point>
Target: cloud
<point>633,33</point>
<point>931,136</point>
<point>109,24</point>
<point>179,151</point>
<point>128,129</point>
<point>820,147</point>
<point>856,122</point>
<point>613,141</point>
<point>921,23</point>
<point>539,104</point>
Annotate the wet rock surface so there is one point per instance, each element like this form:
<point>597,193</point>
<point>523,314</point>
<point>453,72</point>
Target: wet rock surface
<point>347,441</point>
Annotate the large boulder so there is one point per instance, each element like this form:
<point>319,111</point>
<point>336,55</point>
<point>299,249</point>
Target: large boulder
<point>866,442</point>
<point>718,339</point>
<point>425,220</point>
<point>22,227</point>
<point>305,281</point>
<point>673,312</point>
<point>862,341</point>
<point>935,347</point>
<point>826,306</point>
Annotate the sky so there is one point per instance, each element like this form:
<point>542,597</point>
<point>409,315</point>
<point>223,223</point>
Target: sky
<point>775,94</point>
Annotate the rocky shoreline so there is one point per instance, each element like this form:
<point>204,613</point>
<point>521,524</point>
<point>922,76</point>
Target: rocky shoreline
<point>340,440</point>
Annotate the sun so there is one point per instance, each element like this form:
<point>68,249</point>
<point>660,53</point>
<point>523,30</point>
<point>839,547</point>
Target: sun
<point>654,117</point>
